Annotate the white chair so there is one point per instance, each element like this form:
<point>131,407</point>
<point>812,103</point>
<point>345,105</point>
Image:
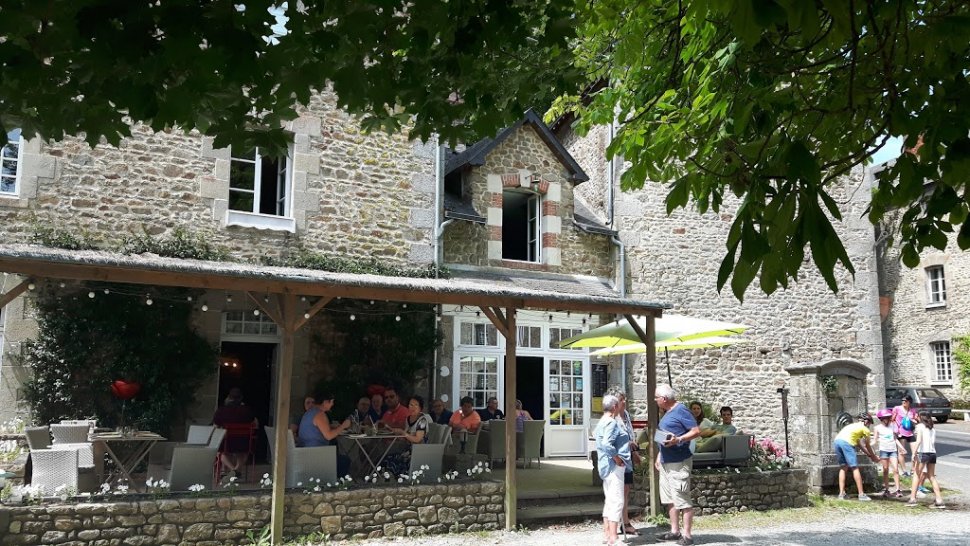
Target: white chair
<point>429,455</point>
<point>38,437</point>
<point>199,434</point>
<point>74,435</point>
<point>216,439</point>
<point>53,468</point>
<point>496,442</point>
<point>528,442</point>
<point>70,433</point>
<point>304,463</point>
<point>191,465</point>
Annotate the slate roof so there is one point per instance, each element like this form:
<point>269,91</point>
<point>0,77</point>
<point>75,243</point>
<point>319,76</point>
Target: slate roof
<point>458,209</point>
<point>587,220</point>
<point>579,285</point>
<point>474,155</point>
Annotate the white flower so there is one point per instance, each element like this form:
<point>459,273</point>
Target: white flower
<point>266,476</point>
<point>400,480</point>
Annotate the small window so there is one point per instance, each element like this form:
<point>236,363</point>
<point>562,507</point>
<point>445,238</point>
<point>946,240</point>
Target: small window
<point>259,184</point>
<point>556,335</point>
<point>480,334</point>
<point>530,336</point>
<point>942,362</point>
<point>520,226</point>
<point>248,324</point>
<point>935,286</point>
<point>10,159</point>
<point>478,378</point>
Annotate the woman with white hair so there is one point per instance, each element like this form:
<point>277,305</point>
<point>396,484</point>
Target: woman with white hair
<point>613,450</point>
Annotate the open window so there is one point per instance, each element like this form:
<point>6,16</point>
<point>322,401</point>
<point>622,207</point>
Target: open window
<point>10,159</point>
<point>260,189</point>
<point>520,226</point>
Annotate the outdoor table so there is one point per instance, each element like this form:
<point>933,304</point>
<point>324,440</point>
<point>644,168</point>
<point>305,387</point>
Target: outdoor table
<point>127,451</point>
<point>370,446</point>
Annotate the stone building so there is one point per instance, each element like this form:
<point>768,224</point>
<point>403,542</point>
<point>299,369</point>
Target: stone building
<point>507,214</point>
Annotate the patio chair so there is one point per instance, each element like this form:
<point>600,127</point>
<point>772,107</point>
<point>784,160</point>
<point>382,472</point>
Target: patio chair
<point>191,465</point>
<point>304,463</point>
<point>528,442</point>
<point>439,434</point>
<point>53,468</point>
<point>430,455</point>
<point>238,434</point>
<point>199,434</point>
<point>38,437</point>
<point>496,442</point>
<point>70,433</point>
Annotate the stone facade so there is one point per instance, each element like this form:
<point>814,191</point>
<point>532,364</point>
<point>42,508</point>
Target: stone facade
<point>676,259</point>
<point>725,491</point>
<point>354,514</point>
<point>524,161</point>
<point>911,322</point>
<point>359,196</point>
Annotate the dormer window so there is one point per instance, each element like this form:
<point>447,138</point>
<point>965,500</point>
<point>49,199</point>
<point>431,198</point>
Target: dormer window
<point>521,236</point>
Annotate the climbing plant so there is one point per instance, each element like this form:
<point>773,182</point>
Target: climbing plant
<point>97,334</point>
<point>961,354</point>
<point>381,343</point>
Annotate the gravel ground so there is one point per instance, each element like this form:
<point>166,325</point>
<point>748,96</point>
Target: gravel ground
<point>794,527</point>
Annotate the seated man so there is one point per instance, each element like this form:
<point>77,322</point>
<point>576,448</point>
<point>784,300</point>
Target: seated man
<point>439,414</point>
<point>465,418</point>
<point>711,436</point>
<point>491,410</point>
<point>396,414</point>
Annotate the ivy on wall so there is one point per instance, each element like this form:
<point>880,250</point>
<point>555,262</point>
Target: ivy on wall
<point>380,343</point>
<point>84,343</point>
<point>961,354</point>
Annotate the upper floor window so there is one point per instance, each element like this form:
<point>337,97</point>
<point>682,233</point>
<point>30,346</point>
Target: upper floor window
<point>521,237</point>
<point>10,160</point>
<point>479,333</point>
<point>935,286</point>
<point>530,337</point>
<point>942,362</point>
<point>259,184</point>
<point>556,335</point>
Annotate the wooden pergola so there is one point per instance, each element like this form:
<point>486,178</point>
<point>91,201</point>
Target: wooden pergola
<point>277,291</point>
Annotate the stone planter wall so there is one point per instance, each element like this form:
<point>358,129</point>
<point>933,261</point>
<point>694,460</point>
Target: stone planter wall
<point>211,521</point>
<point>721,493</point>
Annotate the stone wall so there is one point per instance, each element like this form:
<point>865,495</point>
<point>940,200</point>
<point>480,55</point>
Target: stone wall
<point>354,514</point>
<point>910,324</point>
<point>675,259</point>
<point>724,491</point>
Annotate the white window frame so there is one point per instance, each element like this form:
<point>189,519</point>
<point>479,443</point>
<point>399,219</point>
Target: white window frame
<point>284,200</point>
<point>247,317</point>
<point>20,161</point>
<point>941,360</point>
<point>935,286</point>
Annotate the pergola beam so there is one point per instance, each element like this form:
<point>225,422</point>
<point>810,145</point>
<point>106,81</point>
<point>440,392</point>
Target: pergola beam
<point>12,294</point>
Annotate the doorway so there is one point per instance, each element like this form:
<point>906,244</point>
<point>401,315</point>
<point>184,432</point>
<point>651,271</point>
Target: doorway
<point>249,366</point>
<point>528,385</point>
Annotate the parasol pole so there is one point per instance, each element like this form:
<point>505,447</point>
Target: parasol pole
<point>670,380</point>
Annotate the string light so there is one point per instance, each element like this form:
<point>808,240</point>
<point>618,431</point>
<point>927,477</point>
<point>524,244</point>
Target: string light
<point>106,291</point>
<point>228,298</point>
<point>353,317</point>
<point>91,294</point>
<point>404,306</point>
<point>303,298</point>
<point>205,308</point>
<point>30,286</point>
<point>306,316</point>
<point>62,285</point>
<point>149,301</point>
<point>397,318</point>
<point>256,312</point>
<point>189,298</point>
<point>372,302</point>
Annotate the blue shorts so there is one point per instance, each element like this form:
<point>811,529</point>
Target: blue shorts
<point>845,454</point>
<point>887,454</point>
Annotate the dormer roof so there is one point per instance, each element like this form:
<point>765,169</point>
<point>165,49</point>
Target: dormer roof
<point>474,155</point>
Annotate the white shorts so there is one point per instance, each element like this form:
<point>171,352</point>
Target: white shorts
<point>675,484</point>
<point>613,493</point>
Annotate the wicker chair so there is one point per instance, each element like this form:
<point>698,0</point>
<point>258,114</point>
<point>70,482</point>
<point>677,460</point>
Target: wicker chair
<point>528,442</point>
<point>38,437</point>
<point>430,455</point>
<point>70,433</point>
<point>304,463</point>
<point>53,468</point>
<point>191,465</point>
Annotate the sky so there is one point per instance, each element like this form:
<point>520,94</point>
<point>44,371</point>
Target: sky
<point>889,151</point>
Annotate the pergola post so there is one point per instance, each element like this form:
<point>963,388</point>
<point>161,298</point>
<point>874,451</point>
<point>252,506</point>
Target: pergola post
<point>649,339</point>
<point>505,324</point>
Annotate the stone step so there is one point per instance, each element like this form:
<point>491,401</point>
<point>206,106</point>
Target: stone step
<point>557,513</point>
<point>550,498</point>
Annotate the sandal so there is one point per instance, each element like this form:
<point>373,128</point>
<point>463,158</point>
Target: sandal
<point>629,529</point>
<point>669,536</point>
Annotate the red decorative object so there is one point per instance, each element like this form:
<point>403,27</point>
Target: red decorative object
<point>374,388</point>
<point>125,390</point>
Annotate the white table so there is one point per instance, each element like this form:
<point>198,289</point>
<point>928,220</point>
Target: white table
<point>373,445</point>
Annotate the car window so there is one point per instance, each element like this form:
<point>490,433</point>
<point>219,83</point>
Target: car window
<point>930,393</point>
<point>894,393</point>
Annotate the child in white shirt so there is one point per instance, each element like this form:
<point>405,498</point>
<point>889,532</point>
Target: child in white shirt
<point>886,442</point>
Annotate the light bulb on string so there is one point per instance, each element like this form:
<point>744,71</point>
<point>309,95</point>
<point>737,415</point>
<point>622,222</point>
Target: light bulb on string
<point>205,308</point>
<point>228,298</point>
<point>106,291</point>
<point>303,298</point>
<point>353,317</point>
<point>149,301</point>
<point>189,298</point>
<point>266,298</point>
<point>91,295</point>
<point>255,312</point>
<point>30,286</point>
<point>306,316</point>
<point>62,285</point>
<point>372,302</point>
<point>404,306</point>
<point>397,318</point>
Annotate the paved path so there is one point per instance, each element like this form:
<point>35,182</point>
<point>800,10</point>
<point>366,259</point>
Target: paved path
<point>835,527</point>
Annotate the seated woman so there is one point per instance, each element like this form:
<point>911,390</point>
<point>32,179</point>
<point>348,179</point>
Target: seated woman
<point>521,416</point>
<point>415,431</point>
<point>316,430</point>
<point>712,442</point>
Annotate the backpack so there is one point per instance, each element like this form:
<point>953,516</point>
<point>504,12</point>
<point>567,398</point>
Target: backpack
<point>906,424</point>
